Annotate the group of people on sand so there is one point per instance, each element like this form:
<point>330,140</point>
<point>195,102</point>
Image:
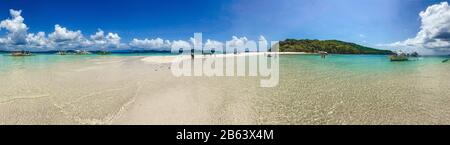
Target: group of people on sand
<point>212,51</point>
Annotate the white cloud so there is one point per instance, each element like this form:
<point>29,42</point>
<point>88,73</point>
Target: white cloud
<point>3,41</point>
<point>434,31</point>
<point>181,44</point>
<point>151,44</point>
<point>62,38</point>
<point>61,34</point>
<point>216,45</point>
<point>17,30</point>
<point>237,42</point>
<point>112,40</point>
<point>263,44</point>
<point>262,40</point>
<point>99,37</point>
<point>37,40</point>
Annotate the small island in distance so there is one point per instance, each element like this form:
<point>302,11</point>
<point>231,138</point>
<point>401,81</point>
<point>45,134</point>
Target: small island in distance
<point>330,46</point>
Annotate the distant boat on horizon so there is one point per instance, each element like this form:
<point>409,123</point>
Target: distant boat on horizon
<point>21,53</point>
<point>61,52</point>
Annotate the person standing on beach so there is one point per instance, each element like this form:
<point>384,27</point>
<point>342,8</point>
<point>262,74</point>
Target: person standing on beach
<point>192,53</point>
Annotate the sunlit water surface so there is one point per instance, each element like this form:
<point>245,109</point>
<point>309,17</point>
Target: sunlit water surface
<point>121,89</point>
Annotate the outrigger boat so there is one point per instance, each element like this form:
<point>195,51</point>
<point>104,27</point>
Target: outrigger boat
<point>61,52</point>
<point>399,56</point>
<point>323,54</point>
<point>21,53</point>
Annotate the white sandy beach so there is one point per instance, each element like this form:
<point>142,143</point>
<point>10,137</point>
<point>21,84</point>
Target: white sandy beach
<point>131,90</point>
<point>142,90</point>
<point>170,59</point>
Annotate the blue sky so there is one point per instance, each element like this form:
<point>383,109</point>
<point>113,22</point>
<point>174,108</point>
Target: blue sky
<point>368,22</point>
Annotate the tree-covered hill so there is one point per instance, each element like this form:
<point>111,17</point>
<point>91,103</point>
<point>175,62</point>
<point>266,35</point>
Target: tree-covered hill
<point>330,46</point>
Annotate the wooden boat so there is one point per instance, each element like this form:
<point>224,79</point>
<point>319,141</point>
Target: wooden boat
<point>399,57</point>
<point>21,53</point>
<point>61,53</point>
<point>323,54</point>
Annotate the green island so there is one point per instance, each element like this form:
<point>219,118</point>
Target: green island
<point>330,46</point>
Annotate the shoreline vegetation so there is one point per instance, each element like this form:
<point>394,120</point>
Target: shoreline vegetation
<point>330,46</point>
<point>288,46</point>
<point>142,90</point>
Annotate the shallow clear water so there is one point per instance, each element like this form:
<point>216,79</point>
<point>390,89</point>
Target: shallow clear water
<point>44,60</point>
<point>359,89</point>
<point>121,89</point>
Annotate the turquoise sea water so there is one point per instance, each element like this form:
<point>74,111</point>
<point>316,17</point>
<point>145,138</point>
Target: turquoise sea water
<point>46,60</point>
<point>363,62</point>
<point>340,89</point>
<point>353,62</point>
<point>358,89</point>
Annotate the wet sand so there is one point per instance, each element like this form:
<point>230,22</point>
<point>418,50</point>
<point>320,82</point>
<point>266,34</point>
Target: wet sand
<point>123,90</point>
<point>142,90</point>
